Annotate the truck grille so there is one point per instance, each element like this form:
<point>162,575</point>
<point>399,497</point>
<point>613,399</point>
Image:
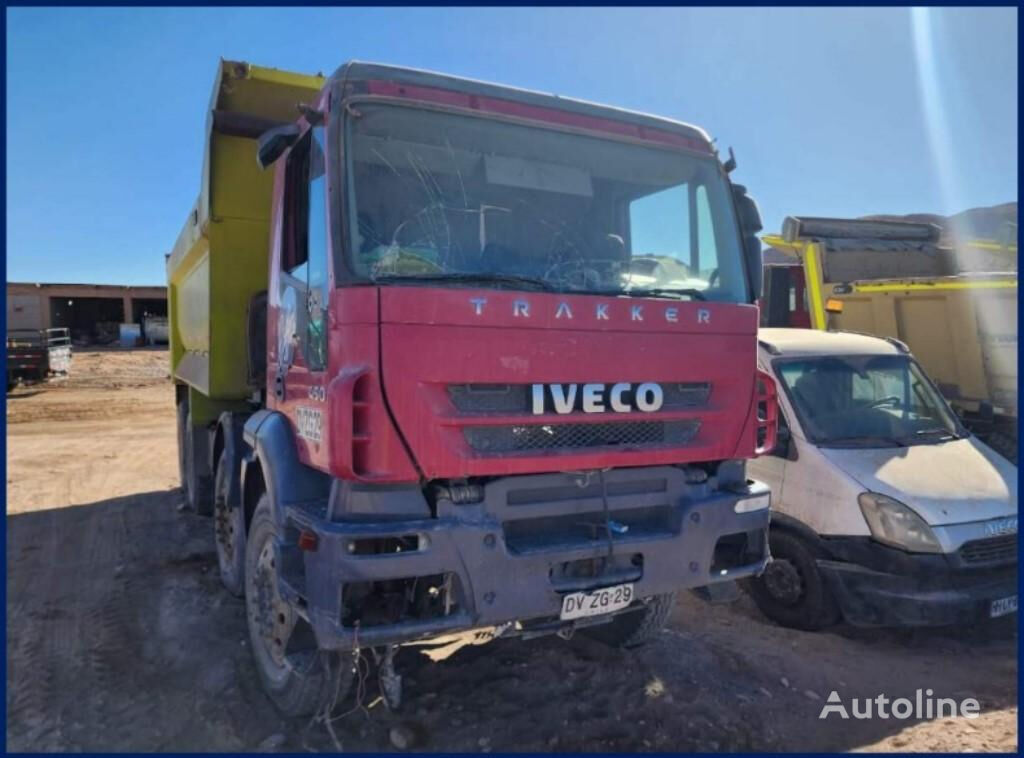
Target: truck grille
<point>992,550</point>
<point>515,398</point>
<point>490,398</point>
<point>507,439</point>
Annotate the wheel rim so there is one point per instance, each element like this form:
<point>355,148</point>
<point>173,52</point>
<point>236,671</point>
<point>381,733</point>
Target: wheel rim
<point>271,619</point>
<point>784,581</point>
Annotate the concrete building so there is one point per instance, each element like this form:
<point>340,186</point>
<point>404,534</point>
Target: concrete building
<point>80,307</point>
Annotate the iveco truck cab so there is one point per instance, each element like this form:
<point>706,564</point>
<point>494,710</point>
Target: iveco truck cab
<point>462,361</point>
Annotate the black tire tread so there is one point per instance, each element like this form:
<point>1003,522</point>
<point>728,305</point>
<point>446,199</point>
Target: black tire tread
<point>232,568</point>
<point>636,627</point>
<point>198,488</point>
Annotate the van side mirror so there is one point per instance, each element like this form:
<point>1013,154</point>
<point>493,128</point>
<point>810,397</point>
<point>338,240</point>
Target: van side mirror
<point>750,225</point>
<point>273,142</point>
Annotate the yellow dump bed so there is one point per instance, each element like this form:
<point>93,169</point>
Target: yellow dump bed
<point>959,322</point>
<point>219,261</point>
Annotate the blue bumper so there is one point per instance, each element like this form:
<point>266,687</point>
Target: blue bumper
<point>512,556</point>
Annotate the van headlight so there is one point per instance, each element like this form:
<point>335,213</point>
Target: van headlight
<point>894,523</point>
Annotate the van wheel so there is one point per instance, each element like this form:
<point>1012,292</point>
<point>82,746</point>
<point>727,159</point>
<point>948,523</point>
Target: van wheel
<point>791,591</point>
<point>229,531</point>
<point>634,628</point>
<point>293,671</point>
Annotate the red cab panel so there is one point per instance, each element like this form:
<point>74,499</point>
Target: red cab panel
<point>459,368</point>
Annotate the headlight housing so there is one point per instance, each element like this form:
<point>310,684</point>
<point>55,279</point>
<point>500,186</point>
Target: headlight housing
<point>893,523</point>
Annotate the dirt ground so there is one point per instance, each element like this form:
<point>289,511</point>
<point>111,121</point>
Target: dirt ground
<point>120,638</point>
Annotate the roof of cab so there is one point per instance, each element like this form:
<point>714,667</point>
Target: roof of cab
<point>781,342</point>
<point>361,71</point>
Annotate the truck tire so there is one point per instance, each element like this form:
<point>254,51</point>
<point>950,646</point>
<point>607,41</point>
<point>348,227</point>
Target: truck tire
<point>635,627</point>
<point>198,488</point>
<point>182,413</point>
<point>292,669</point>
<point>228,531</point>
<point>791,591</point>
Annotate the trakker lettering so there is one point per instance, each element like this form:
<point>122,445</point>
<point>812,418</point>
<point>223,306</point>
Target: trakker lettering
<point>523,309</point>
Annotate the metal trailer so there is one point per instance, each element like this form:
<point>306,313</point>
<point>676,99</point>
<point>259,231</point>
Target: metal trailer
<point>35,354</point>
<point>954,307</point>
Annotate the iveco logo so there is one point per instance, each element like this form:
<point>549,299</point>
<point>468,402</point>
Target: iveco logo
<point>597,398</point>
<point>1001,526</point>
<point>599,312</point>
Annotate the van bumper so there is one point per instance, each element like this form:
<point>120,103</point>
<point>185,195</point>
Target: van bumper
<point>514,555</point>
<point>932,595</point>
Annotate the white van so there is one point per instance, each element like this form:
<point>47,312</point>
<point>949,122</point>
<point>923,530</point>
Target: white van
<point>886,510</point>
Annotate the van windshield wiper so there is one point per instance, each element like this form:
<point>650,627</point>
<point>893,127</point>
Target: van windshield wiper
<point>693,294</point>
<point>867,440</point>
<point>489,277</point>
<point>940,430</point>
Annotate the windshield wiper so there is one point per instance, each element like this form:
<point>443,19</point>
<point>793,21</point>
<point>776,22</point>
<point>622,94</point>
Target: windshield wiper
<point>664,292</point>
<point>469,278</point>
<point>866,440</point>
<point>937,430</point>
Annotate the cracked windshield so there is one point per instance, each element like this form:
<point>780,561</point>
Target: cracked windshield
<point>481,201</point>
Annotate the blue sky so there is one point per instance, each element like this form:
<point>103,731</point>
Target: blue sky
<point>830,111</point>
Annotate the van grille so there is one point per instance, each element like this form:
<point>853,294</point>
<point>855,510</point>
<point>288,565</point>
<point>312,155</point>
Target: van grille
<point>508,439</point>
<point>992,550</point>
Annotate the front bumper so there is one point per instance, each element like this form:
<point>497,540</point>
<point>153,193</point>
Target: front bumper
<point>888,587</point>
<point>513,556</point>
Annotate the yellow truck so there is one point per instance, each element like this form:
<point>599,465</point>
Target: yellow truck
<point>955,307</point>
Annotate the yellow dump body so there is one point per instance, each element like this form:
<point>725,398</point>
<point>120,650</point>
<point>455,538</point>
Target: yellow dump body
<point>962,327</point>
<point>220,258</point>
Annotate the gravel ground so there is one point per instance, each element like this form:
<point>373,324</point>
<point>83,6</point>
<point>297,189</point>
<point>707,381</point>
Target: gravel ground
<point>120,638</point>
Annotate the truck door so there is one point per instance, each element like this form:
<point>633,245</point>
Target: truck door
<point>303,290</point>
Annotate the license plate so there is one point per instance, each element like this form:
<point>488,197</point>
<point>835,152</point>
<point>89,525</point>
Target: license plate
<point>582,604</point>
<point>1002,606</point>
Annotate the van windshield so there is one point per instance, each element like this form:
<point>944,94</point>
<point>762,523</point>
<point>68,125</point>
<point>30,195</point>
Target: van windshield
<point>442,197</point>
<point>866,401</point>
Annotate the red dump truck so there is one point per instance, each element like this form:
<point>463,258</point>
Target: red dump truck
<point>460,359</point>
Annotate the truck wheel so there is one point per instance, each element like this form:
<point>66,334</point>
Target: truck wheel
<point>229,531</point>
<point>292,669</point>
<point>791,591</point>
<point>198,488</point>
<point>635,627</point>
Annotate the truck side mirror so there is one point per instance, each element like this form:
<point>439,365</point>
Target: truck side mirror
<point>274,142</point>
<point>750,225</point>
